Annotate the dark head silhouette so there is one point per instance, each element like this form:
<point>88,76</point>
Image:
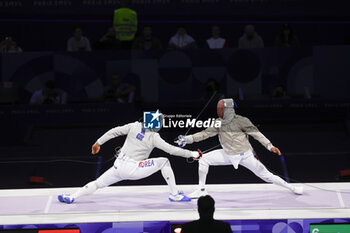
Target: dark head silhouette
<point>125,3</point>
<point>206,207</point>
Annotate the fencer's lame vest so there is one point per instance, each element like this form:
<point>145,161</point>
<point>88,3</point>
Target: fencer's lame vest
<point>234,136</point>
<point>125,24</point>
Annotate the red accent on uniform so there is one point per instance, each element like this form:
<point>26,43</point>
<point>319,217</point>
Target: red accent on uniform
<point>220,108</point>
<point>200,153</point>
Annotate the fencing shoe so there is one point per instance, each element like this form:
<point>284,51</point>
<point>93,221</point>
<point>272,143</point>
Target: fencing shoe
<point>298,190</point>
<point>198,193</point>
<point>66,198</point>
<point>179,197</point>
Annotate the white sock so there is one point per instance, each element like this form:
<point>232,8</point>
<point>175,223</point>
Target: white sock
<point>202,175</point>
<point>169,177</point>
<point>86,190</point>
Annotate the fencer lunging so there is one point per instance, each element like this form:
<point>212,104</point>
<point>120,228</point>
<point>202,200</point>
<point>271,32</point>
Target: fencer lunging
<point>233,136</point>
<point>132,162</point>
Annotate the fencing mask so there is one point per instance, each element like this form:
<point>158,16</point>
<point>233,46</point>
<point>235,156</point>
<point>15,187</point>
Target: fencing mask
<point>225,110</point>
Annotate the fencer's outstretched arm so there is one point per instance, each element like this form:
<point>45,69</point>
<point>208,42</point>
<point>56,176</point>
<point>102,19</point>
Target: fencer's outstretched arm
<point>112,133</point>
<point>173,150</point>
<point>189,139</point>
<point>249,128</point>
<point>115,132</point>
<point>207,133</point>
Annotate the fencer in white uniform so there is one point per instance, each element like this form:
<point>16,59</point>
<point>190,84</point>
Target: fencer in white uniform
<point>133,163</point>
<point>236,149</point>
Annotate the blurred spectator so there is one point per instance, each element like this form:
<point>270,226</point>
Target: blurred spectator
<point>181,40</point>
<point>9,93</point>
<point>216,42</point>
<point>8,45</point>
<point>279,92</point>
<point>119,91</point>
<point>250,38</point>
<point>212,86</point>
<point>107,41</point>
<point>125,24</point>
<point>206,222</point>
<point>147,41</point>
<point>286,38</point>
<point>49,95</point>
<point>78,42</point>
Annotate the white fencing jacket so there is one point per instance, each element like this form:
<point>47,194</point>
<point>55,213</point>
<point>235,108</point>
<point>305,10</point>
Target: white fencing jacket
<point>139,142</point>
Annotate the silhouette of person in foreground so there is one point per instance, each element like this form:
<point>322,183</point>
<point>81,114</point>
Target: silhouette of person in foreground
<point>206,222</point>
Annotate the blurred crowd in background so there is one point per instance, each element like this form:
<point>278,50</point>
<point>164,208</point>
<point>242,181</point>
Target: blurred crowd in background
<point>183,39</point>
<point>126,33</point>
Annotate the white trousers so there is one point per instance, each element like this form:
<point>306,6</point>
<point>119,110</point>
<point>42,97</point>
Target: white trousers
<point>247,159</point>
<point>126,169</point>
<point>130,170</point>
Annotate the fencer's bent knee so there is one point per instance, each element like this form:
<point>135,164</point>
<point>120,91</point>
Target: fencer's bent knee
<point>203,167</point>
<point>265,176</point>
<point>162,162</point>
<point>263,173</point>
<point>203,162</point>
